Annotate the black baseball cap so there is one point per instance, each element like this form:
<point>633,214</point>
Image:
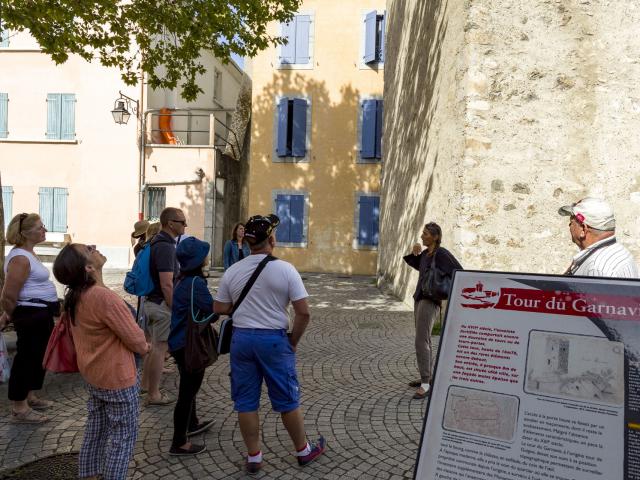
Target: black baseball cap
<point>259,227</point>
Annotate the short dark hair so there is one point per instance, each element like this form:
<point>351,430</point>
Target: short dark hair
<point>260,245</point>
<point>434,229</point>
<point>167,214</point>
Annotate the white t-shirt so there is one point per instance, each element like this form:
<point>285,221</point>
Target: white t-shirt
<point>265,306</point>
<point>38,284</point>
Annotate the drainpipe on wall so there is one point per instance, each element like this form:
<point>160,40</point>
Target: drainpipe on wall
<point>141,165</point>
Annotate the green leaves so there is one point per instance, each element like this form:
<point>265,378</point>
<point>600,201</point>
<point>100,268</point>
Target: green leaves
<point>162,39</point>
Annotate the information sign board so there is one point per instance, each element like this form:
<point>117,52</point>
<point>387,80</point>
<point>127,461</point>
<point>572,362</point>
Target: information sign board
<point>537,378</point>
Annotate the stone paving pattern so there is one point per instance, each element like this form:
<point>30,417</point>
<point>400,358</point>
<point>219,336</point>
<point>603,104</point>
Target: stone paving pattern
<point>353,363</point>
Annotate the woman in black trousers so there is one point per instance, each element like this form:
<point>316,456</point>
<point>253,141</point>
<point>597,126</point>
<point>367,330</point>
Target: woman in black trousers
<point>190,297</point>
<point>29,300</point>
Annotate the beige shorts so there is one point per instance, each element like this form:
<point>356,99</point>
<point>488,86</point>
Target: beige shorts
<point>158,321</point>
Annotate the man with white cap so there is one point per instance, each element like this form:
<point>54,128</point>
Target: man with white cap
<point>592,227</point>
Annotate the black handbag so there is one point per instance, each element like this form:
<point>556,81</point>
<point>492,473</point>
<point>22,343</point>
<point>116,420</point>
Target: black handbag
<point>226,327</point>
<point>201,340</point>
<point>436,283</point>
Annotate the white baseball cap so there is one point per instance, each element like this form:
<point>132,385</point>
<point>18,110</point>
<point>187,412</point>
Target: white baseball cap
<point>594,212</point>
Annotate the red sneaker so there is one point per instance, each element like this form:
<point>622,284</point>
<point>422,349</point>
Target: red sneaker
<point>317,448</point>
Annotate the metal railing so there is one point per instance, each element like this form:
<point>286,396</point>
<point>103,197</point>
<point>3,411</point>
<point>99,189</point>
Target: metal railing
<point>186,135</point>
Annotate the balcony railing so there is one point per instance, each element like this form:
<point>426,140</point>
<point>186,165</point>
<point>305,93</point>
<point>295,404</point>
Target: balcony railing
<point>190,127</point>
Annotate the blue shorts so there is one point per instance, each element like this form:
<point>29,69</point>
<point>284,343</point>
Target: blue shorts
<point>258,354</point>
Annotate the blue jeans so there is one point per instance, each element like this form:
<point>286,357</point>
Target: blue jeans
<point>258,354</point>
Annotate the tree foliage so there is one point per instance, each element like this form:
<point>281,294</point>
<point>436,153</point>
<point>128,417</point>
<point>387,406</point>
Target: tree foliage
<point>162,38</point>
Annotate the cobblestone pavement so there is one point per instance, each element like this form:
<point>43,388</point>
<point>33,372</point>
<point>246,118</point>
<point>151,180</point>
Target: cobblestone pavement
<point>354,363</point>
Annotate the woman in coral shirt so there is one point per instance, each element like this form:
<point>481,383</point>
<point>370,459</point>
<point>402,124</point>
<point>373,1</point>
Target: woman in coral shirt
<point>106,336</point>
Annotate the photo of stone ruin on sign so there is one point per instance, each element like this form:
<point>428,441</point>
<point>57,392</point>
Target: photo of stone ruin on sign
<point>478,412</point>
<point>575,367</point>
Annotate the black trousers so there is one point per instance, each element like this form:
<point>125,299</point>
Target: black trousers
<point>33,327</point>
<point>184,414</point>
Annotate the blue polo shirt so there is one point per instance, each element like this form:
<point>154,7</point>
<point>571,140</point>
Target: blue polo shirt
<point>181,308</point>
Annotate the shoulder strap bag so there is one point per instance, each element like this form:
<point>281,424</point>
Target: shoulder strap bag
<point>573,268</point>
<point>201,339</point>
<point>226,327</point>
<point>436,283</point>
<point>60,355</point>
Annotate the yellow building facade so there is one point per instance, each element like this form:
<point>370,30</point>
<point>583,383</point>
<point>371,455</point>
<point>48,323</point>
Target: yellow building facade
<point>315,141</point>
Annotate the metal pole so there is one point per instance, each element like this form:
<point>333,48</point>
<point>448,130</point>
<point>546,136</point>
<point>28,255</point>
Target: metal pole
<point>212,133</point>
<point>141,177</point>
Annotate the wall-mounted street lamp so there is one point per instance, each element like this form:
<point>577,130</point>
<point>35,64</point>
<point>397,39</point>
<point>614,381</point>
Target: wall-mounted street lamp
<point>123,107</point>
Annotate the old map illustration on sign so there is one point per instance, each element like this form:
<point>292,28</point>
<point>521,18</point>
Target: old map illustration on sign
<point>575,366</point>
<point>482,413</point>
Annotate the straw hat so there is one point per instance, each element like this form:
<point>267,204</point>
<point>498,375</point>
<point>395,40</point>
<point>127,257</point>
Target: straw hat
<point>139,228</point>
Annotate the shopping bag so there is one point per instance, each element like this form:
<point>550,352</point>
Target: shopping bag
<point>5,366</point>
<point>60,356</point>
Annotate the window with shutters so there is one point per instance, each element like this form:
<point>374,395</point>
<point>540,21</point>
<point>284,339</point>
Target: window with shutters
<point>370,118</point>
<point>297,52</point>
<point>373,39</point>
<point>366,220</point>
<point>156,201</point>
<point>7,203</point>
<point>4,115</point>
<point>53,208</point>
<point>61,116</point>
<point>292,127</point>
<point>292,207</point>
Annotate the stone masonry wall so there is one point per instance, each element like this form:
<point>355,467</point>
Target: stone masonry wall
<point>556,119</point>
<point>550,113</point>
<point>423,138</point>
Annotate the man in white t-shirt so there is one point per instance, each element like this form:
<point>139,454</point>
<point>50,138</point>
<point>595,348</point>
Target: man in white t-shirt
<point>592,226</point>
<point>261,347</point>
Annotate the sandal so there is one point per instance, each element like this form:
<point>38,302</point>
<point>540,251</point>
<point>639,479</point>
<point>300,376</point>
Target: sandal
<point>163,401</point>
<point>40,404</point>
<point>30,416</point>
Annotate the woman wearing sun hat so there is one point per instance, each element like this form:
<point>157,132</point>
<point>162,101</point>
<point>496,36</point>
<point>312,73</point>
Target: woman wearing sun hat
<point>192,254</point>
<point>138,235</point>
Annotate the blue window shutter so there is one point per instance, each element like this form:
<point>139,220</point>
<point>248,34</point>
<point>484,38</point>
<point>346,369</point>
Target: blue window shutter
<point>369,220</point>
<point>378,142</point>
<point>375,221</point>
<point>299,131</point>
<point>68,117</point>
<point>368,140</point>
<point>4,115</point>
<point>54,106</point>
<point>383,22</point>
<point>370,34</point>
<point>7,203</point>
<point>283,211</point>
<point>59,210</point>
<point>4,36</point>
<point>283,122</point>
<point>365,233</point>
<point>297,218</point>
<point>288,50</point>
<point>303,27</point>
<point>46,206</point>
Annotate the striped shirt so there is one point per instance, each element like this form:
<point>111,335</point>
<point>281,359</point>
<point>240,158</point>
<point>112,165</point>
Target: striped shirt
<point>610,261</point>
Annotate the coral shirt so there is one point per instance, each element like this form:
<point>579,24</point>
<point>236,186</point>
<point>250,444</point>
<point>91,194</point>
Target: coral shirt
<point>105,335</point>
